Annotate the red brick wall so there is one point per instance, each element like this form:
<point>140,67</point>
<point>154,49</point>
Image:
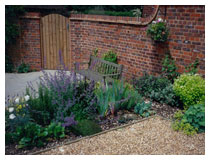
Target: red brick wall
<point>27,48</point>
<point>136,51</point>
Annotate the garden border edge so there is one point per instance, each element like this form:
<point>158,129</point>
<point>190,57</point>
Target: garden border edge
<point>97,134</point>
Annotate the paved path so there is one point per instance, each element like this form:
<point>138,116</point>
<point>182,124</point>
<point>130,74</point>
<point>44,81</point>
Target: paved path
<point>15,83</point>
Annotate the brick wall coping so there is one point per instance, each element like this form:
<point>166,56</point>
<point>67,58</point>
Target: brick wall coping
<point>115,19</point>
<point>103,18</point>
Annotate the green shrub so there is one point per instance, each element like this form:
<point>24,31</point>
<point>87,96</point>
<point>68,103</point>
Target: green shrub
<point>9,67</point>
<point>31,135</point>
<point>148,83</point>
<point>167,96</point>
<point>86,127</point>
<point>143,109</point>
<point>23,68</point>
<point>157,88</point>
<point>110,56</point>
<point>158,31</point>
<point>190,121</point>
<point>110,13</point>
<point>190,89</point>
<point>41,108</point>
<point>115,97</point>
<point>169,69</point>
<point>186,128</point>
<point>55,130</point>
<point>195,115</point>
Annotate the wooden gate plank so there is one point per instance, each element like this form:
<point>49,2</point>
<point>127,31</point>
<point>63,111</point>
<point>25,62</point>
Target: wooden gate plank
<point>50,41</point>
<point>54,41</point>
<point>54,38</point>
<point>44,42</point>
<point>60,39</point>
<point>64,41</point>
<point>68,43</point>
<point>57,40</point>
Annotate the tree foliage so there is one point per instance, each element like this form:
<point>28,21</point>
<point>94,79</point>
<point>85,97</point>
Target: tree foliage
<point>11,24</point>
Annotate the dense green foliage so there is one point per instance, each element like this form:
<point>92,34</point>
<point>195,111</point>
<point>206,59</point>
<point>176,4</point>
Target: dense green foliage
<point>33,134</point>
<point>23,68</point>
<point>167,96</point>
<point>143,109</point>
<point>9,66</point>
<point>115,97</point>
<point>110,56</point>
<point>110,13</point>
<point>157,88</point>
<point>169,69</point>
<point>47,114</point>
<point>86,127</point>
<point>41,108</point>
<point>11,27</point>
<point>11,31</point>
<point>191,121</point>
<point>158,31</point>
<point>190,89</point>
<point>111,10</point>
<point>195,115</point>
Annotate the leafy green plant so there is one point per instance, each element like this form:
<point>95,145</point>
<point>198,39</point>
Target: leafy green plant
<point>167,96</point>
<point>115,97</point>
<point>9,67</point>
<point>31,135</point>
<point>143,109</point>
<point>137,13</point>
<point>148,83</point>
<point>190,89</point>
<point>190,121</point>
<point>192,68</point>
<point>103,97</point>
<point>195,115</point>
<point>110,56</point>
<point>158,31</point>
<point>169,69</point>
<point>41,107</point>
<point>186,128</point>
<point>86,127</point>
<point>55,130</point>
<point>158,88</point>
<point>23,68</point>
<point>11,23</point>
<point>95,52</point>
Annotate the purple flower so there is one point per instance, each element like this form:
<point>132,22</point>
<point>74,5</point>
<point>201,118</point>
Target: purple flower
<point>69,121</point>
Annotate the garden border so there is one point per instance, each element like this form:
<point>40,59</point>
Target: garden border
<point>103,132</point>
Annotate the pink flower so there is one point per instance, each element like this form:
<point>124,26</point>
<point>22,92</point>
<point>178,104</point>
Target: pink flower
<point>160,20</point>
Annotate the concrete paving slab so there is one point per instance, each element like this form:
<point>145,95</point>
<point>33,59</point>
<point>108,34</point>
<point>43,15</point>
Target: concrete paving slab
<point>15,83</point>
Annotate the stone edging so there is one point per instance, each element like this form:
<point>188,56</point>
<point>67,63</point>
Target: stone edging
<point>103,132</point>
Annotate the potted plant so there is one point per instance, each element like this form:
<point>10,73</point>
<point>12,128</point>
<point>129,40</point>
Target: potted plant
<point>158,30</point>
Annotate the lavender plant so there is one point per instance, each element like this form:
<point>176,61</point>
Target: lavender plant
<point>67,97</point>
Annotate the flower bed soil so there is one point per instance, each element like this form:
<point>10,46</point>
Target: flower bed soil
<point>106,124</point>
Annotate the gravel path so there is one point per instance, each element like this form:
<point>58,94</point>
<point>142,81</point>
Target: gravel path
<point>152,136</point>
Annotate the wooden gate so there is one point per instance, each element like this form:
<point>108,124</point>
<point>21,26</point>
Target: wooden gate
<point>54,40</point>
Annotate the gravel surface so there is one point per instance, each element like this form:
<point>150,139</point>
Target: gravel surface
<point>152,136</point>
